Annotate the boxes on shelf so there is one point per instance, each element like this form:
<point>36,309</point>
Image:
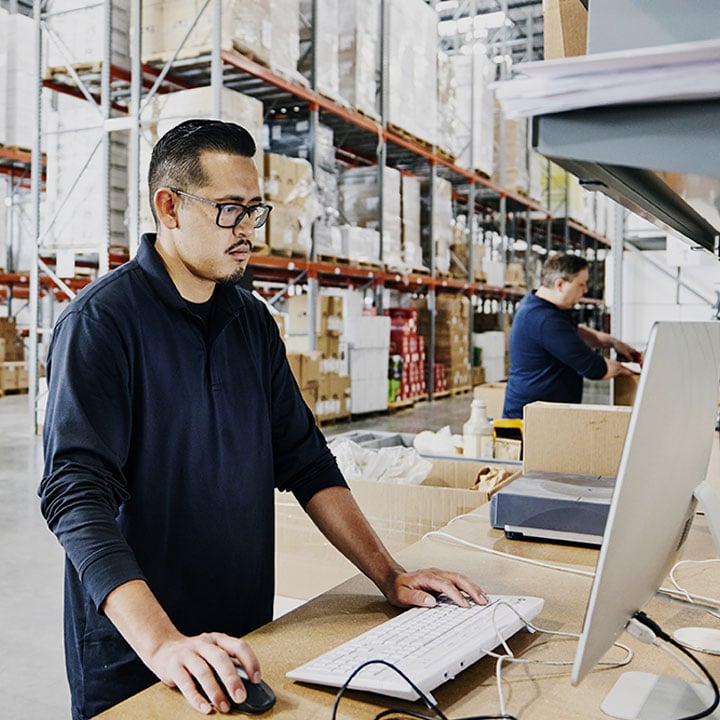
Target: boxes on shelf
<point>13,349</point>
<point>410,214</point>
<point>472,143</point>
<point>289,187</point>
<point>327,81</point>
<point>570,438</point>
<point>13,376</point>
<point>289,136</point>
<point>442,220</point>
<point>452,348</point>
<point>491,346</point>
<point>360,244</point>
<point>265,30</point>
<point>334,398</point>
<point>359,206</point>
<point>79,25</point>
<point>75,173</point>
<point>329,315</point>
<point>359,33</point>
<point>515,275</point>
<point>412,68</point>
<point>17,74</point>
<point>368,339</point>
<point>516,153</point>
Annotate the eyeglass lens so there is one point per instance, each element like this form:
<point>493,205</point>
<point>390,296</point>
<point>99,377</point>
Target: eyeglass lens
<point>232,215</point>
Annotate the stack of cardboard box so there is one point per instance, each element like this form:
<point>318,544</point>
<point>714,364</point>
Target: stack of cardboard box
<point>13,371</point>
<point>289,188</point>
<point>452,343</point>
<point>334,398</point>
<point>306,369</point>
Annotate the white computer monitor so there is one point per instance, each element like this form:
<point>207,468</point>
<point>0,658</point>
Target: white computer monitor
<point>660,478</point>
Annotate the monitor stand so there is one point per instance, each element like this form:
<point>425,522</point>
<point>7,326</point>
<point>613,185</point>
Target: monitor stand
<point>644,696</point>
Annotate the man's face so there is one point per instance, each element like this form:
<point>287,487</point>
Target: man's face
<point>573,290</point>
<point>208,252</point>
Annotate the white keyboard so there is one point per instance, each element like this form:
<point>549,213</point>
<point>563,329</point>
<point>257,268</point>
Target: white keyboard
<point>430,645</point>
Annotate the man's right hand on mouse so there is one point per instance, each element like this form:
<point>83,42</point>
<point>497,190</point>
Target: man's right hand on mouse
<point>207,662</point>
<point>180,660</point>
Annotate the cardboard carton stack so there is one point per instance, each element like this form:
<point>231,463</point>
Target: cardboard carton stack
<point>334,398</point>
<point>17,74</point>
<point>410,218</point>
<point>79,25</point>
<point>266,30</point>
<point>412,68</point>
<point>491,345</point>
<point>73,130</point>
<point>368,339</point>
<point>359,189</point>
<point>452,344</point>
<point>515,176</point>
<point>327,81</point>
<point>13,371</point>
<point>472,143</point>
<point>442,220</point>
<point>407,356</point>
<point>358,43</point>
<point>289,188</point>
<point>305,367</point>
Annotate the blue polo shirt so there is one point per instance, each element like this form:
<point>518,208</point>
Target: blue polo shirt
<point>548,358</point>
<point>164,444</point>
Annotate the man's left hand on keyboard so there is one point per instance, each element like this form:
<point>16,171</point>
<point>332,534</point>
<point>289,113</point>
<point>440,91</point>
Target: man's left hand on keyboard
<point>422,587</point>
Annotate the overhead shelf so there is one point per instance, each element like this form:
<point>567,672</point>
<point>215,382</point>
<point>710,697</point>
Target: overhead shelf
<point>680,138</point>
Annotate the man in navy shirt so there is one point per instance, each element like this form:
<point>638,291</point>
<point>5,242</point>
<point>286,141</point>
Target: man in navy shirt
<point>172,417</point>
<point>550,353</point>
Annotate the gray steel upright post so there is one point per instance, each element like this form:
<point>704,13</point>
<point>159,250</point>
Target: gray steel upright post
<point>105,107</point>
<point>216,70</point>
<point>35,184</point>
<point>135,120</point>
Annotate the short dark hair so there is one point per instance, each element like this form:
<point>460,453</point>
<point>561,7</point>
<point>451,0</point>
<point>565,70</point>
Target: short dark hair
<point>561,266</point>
<point>175,160</point>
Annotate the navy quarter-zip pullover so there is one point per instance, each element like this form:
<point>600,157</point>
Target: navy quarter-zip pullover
<point>163,447</point>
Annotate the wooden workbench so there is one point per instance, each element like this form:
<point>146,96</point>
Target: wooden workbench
<point>533,692</point>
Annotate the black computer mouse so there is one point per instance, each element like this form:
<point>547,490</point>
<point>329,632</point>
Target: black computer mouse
<point>260,697</point>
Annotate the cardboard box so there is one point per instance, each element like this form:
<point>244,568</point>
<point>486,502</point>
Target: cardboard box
<point>401,514</point>
<point>565,28</point>
<point>494,395</point>
<point>624,389</point>
<point>570,438</point>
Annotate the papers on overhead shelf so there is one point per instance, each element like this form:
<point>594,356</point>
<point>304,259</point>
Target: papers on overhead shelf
<point>671,73</point>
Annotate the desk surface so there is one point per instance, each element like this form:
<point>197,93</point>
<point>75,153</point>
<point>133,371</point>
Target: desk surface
<point>533,692</point>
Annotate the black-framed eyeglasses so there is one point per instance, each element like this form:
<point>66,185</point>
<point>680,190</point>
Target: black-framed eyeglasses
<point>231,214</point>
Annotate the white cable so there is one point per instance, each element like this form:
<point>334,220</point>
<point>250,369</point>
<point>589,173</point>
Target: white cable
<point>683,661</point>
<point>474,546</point>
<point>509,656</point>
<point>692,597</point>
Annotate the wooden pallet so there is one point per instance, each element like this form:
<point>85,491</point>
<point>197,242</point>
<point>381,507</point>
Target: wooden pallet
<point>403,133</point>
<point>323,422</point>
<point>461,390</point>
<point>291,254</point>
<point>53,71</point>
<point>401,405</point>
<point>440,395</point>
<point>13,391</point>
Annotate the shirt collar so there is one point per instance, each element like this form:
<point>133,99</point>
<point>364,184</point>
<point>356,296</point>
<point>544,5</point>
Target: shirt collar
<point>152,265</point>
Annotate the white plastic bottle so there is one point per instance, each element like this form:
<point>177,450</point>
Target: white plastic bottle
<point>478,432</point>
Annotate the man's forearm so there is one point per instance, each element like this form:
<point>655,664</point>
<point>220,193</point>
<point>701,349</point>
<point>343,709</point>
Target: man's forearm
<point>139,618</point>
<point>339,518</point>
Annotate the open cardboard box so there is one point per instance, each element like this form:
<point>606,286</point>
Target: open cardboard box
<point>401,514</point>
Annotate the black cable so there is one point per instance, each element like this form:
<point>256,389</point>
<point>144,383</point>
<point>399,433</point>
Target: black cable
<point>396,713</point>
<point>659,632</point>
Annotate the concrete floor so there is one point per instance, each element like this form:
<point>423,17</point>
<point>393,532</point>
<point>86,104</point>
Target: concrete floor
<point>32,674</point>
